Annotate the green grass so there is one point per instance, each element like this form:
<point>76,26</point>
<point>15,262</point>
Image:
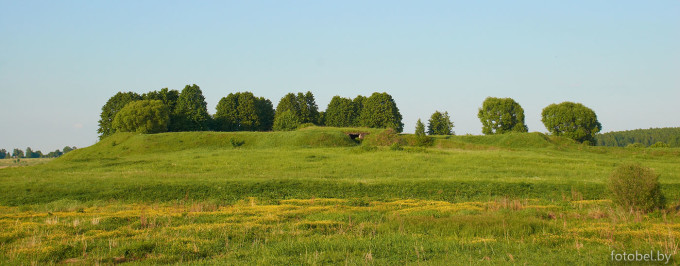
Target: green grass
<point>120,178</point>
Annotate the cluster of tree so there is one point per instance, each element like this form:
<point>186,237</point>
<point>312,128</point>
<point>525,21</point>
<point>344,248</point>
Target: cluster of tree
<point>439,124</point>
<point>30,153</point>
<point>669,136</point>
<point>568,119</point>
<point>377,111</point>
<point>170,110</point>
<point>155,111</point>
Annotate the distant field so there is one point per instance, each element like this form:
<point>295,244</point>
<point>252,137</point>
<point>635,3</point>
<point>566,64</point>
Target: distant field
<point>23,162</point>
<point>315,196</point>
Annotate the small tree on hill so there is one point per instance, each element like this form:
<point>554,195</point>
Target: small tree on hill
<point>380,111</point>
<point>111,108</point>
<point>501,115</point>
<point>572,120</point>
<point>145,116</point>
<point>440,124</point>
<point>242,111</point>
<point>191,112</point>
<point>340,112</point>
<point>303,106</point>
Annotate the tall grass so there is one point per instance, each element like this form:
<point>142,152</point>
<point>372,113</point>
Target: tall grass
<point>315,196</point>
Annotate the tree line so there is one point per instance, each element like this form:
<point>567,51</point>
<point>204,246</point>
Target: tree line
<point>30,153</point>
<point>660,137</point>
<point>173,111</point>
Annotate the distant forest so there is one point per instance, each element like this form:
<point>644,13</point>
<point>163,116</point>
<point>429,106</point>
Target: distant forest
<point>645,137</point>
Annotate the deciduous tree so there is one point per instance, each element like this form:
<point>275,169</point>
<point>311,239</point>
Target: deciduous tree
<point>341,112</point>
<point>111,108</point>
<point>380,111</point>
<point>286,121</point>
<point>501,115</point>
<point>191,112</point>
<point>572,120</point>
<point>440,124</point>
<point>144,116</point>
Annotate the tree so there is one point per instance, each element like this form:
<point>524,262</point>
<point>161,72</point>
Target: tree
<point>501,115</point>
<point>380,111</point>
<point>572,120</point>
<point>226,115</point>
<point>32,154</point>
<point>243,111</point>
<point>17,153</point>
<point>302,106</point>
<point>191,112</point>
<point>111,108</point>
<point>55,154</point>
<point>286,121</point>
<point>341,112</point>
<point>358,104</point>
<point>144,116</point>
<point>309,111</point>
<point>3,154</point>
<point>168,97</point>
<point>265,113</point>
<point>440,124</point>
<point>420,128</point>
<point>68,149</point>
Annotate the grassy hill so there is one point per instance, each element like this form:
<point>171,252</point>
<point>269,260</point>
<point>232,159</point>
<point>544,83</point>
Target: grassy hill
<point>317,196</point>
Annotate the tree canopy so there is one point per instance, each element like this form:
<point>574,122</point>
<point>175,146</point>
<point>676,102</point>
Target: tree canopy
<point>144,116</point>
<point>302,106</point>
<point>341,112</point>
<point>501,115</point>
<point>191,112</point>
<point>242,111</point>
<point>380,111</point>
<point>440,124</point>
<point>111,108</point>
<point>572,120</point>
<point>286,121</point>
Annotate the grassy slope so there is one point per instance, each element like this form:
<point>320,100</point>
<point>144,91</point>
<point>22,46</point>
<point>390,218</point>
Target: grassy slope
<point>324,163</point>
<point>261,198</point>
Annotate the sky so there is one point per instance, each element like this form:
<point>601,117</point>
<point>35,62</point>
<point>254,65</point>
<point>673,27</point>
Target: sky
<point>60,61</point>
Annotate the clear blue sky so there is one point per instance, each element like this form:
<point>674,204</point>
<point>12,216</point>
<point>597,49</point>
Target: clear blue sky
<point>61,60</point>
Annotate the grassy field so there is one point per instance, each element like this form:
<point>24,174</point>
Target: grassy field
<point>4,163</point>
<point>314,196</point>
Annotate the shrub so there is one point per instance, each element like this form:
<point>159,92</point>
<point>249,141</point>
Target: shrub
<point>144,116</point>
<point>660,145</point>
<point>385,138</point>
<point>635,187</point>
<point>286,121</point>
<point>635,145</point>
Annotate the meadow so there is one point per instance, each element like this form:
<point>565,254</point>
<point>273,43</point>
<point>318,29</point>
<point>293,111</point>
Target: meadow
<point>315,196</point>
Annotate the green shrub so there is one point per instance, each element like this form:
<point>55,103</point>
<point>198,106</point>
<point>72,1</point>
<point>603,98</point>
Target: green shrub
<point>385,138</point>
<point>660,145</point>
<point>144,116</point>
<point>635,187</point>
<point>286,121</point>
<point>635,145</point>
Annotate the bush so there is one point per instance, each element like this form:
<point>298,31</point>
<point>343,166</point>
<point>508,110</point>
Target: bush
<point>286,121</point>
<point>635,145</point>
<point>636,187</point>
<point>144,116</point>
<point>660,145</point>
